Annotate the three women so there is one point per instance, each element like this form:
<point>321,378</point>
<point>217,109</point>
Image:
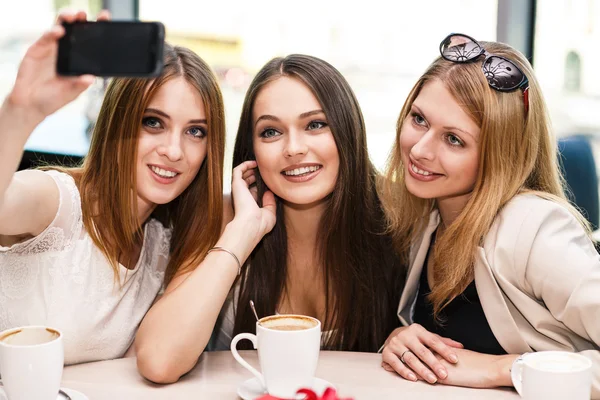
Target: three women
<point>500,264</point>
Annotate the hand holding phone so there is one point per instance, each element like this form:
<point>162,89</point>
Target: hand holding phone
<point>38,90</point>
<point>111,48</point>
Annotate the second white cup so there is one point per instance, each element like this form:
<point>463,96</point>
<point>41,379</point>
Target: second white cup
<point>553,375</point>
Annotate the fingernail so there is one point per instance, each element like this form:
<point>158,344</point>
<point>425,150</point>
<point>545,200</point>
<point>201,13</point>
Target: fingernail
<point>442,374</point>
<point>431,378</point>
<point>412,377</point>
<point>453,358</point>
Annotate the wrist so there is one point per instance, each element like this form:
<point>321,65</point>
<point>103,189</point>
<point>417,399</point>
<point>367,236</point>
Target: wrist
<point>20,115</point>
<point>247,227</point>
<point>502,370</point>
<point>238,239</point>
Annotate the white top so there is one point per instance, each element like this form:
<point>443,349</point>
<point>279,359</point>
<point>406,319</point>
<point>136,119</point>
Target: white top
<point>61,279</point>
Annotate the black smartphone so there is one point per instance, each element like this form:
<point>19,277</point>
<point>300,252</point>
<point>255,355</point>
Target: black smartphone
<point>111,48</point>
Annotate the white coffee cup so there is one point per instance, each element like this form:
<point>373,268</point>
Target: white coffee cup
<point>288,352</point>
<point>553,375</point>
<point>31,362</point>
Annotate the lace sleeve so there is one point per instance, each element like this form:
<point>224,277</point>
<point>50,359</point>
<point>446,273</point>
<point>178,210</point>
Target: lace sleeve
<point>64,228</point>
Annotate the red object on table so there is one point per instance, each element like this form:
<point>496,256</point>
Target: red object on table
<point>328,394</point>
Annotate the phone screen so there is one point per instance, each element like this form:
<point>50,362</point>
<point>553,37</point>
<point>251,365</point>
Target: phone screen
<point>111,49</point>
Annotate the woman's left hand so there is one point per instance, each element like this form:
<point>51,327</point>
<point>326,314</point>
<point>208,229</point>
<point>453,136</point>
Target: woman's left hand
<point>478,370</point>
<point>475,370</point>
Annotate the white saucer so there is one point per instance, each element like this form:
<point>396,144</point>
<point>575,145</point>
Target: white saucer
<point>74,394</point>
<point>252,389</point>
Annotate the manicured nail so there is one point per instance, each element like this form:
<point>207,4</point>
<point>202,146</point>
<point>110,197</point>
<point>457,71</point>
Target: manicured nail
<point>431,378</point>
<point>412,377</point>
<point>442,374</point>
<point>453,358</point>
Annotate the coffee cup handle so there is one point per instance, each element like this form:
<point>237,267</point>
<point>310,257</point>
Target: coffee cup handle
<point>516,374</point>
<point>251,337</point>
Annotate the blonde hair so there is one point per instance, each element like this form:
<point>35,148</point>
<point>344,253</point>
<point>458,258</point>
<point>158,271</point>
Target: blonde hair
<point>518,154</point>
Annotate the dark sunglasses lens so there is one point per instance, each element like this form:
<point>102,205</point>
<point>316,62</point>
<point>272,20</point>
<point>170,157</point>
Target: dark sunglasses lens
<point>502,74</point>
<point>459,48</point>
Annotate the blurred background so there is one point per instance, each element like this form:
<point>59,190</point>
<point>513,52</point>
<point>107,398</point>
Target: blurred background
<point>380,46</point>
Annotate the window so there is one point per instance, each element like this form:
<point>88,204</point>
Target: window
<point>21,23</point>
<point>566,62</point>
<point>573,72</point>
<point>380,47</point>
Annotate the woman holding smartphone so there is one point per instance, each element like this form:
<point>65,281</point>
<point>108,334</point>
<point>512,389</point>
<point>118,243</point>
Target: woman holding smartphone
<point>86,250</point>
<point>303,138</point>
<point>499,260</point>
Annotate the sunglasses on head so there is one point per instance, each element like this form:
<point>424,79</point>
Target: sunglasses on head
<point>501,73</point>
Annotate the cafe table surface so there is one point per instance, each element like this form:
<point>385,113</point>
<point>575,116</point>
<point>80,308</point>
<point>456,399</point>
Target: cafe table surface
<point>217,376</point>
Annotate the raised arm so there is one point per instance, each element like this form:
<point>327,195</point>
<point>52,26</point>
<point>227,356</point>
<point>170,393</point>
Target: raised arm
<point>29,199</point>
<point>177,328</point>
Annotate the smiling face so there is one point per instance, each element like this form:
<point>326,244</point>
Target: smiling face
<point>295,150</point>
<point>440,147</point>
<point>172,143</point>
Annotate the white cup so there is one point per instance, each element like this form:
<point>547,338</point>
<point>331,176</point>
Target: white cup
<point>288,358</point>
<point>31,362</point>
<point>553,375</point>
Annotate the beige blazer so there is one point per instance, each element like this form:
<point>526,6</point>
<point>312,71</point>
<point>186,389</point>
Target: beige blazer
<point>538,279</point>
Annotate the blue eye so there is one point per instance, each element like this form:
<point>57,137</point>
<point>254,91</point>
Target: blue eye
<point>314,125</point>
<point>197,132</point>
<point>269,133</point>
<point>151,122</point>
<point>418,119</point>
<point>453,140</point>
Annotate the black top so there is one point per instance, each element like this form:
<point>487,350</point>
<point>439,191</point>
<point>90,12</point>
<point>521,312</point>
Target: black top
<point>463,319</point>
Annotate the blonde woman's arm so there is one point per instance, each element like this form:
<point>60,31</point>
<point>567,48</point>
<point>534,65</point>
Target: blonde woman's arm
<point>177,328</point>
<point>563,271</point>
<point>554,262</point>
<point>29,199</point>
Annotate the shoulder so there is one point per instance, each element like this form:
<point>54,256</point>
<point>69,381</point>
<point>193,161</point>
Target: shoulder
<point>44,182</point>
<point>528,212</point>
<point>534,235</point>
<point>60,177</point>
<point>64,186</point>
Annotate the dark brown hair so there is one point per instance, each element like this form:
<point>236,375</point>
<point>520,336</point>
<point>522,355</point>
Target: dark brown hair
<point>362,273</point>
<point>107,176</point>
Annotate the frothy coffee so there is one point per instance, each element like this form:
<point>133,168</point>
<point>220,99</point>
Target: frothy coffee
<point>557,363</point>
<point>288,323</point>
<point>30,336</point>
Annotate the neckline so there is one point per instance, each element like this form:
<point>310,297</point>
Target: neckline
<point>142,252</point>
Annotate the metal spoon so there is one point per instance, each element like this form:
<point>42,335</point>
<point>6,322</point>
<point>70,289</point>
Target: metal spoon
<point>254,310</point>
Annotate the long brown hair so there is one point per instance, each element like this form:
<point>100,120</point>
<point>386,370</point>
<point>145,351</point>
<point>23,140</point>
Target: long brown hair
<point>518,154</point>
<point>361,271</point>
<point>106,179</point>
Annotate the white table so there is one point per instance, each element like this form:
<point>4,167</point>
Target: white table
<point>217,376</point>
